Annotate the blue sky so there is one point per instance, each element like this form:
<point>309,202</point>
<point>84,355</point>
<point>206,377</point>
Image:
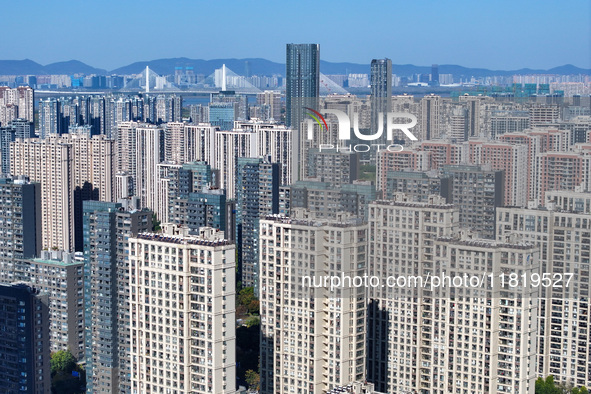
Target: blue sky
<point>479,33</point>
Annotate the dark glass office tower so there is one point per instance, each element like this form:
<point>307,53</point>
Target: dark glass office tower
<point>435,75</point>
<point>381,96</point>
<point>302,90</point>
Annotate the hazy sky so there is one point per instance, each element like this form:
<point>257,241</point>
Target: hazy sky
<point>495,34</point>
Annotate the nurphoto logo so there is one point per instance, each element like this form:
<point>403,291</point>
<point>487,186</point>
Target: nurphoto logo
<point>344,123</point>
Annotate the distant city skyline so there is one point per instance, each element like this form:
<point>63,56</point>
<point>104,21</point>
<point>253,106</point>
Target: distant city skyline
<point>501,35</point>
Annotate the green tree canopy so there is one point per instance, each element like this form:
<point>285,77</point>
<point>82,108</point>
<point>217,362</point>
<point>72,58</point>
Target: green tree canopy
<point>548,386</point>
<point>62,361</point>
<point>253,379</point>
<point>248,299</point>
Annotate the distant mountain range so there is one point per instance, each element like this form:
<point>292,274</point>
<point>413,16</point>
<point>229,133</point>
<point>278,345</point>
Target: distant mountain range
<point>257,67</point>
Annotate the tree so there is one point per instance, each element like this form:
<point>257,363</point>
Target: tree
<point>62,380</point>
<point>248,299</point>
<point>156,224</point>
<point>253,379</point>
<point>565,387</point>
<point>548,386</point>
<point>253,321</point>
<point>254,307</point>
<point>62,361</point>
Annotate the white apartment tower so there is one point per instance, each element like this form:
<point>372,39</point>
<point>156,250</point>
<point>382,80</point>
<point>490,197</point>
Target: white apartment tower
<point>430,120</point>
<point>459,339</point>
<point>149,153</point>
<point>229,146</point>
<point>312,338</point>
<point>183,334</point>
<point>562,231</point>
<point>402,236</point>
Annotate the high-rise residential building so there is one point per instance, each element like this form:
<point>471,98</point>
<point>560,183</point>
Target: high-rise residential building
<point>149,153</point>
<point>440,154</point>
<point>162,108</point>
<point>195,201</point>
<point>453,338</point>
<point>534,145</point>
<point>510,158</point>
<point>186,143</point>
<point>401,233</point>
<point>406,160</point>
<point>100,295</point>
<point>24,323</point>
<point>476,191</point>
<point>20,225</point>
<point>473,106</point>
<point>60,275</point>
<point>561,229</point>
<point>123,186</point>
<point>175,143</point>
<point>257,195</point>
<point>120,111</point>
<point>505,122</point>
<point>167,186</point>
<point>336,168</point>
<point>430,120</point>
<point>381,96</point>
<point>541,114</point>
<point>324,201</point>
<point>457,130</point>
<point>194,176</point>
<point>70,168</point>
<point>273,141</point>
<point>23,128</point>
<point>302,90</point>
<point>17,128</point>
<point>183,332</point>
<point>49,163</point>
<point>206,207</point>
<point>107,316</point>
<point>199,113</point>
<point>312,338</point>
<point>127,159</point>
<point>16,103</point>
<point>200,143</point>
<point>230,145</point>
<point>562,171</point>
<point>272,99</point>
<point>417,185</point>
<point>485,338</point>
<point>48,117</point>
<point>97,111</point>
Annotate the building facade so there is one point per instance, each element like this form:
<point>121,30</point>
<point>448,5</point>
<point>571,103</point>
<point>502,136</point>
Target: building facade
<point>182,312</point>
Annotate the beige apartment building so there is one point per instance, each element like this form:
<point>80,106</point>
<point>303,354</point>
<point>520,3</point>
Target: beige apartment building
<point>461,339</point>
<point>183,334</point>
<point>561,229</point>
<point>312,338</point>
<point>61,164</point>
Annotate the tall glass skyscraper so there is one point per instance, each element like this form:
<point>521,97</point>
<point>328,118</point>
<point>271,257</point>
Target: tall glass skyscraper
<point>381,95</point>
<point>302,90</point>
